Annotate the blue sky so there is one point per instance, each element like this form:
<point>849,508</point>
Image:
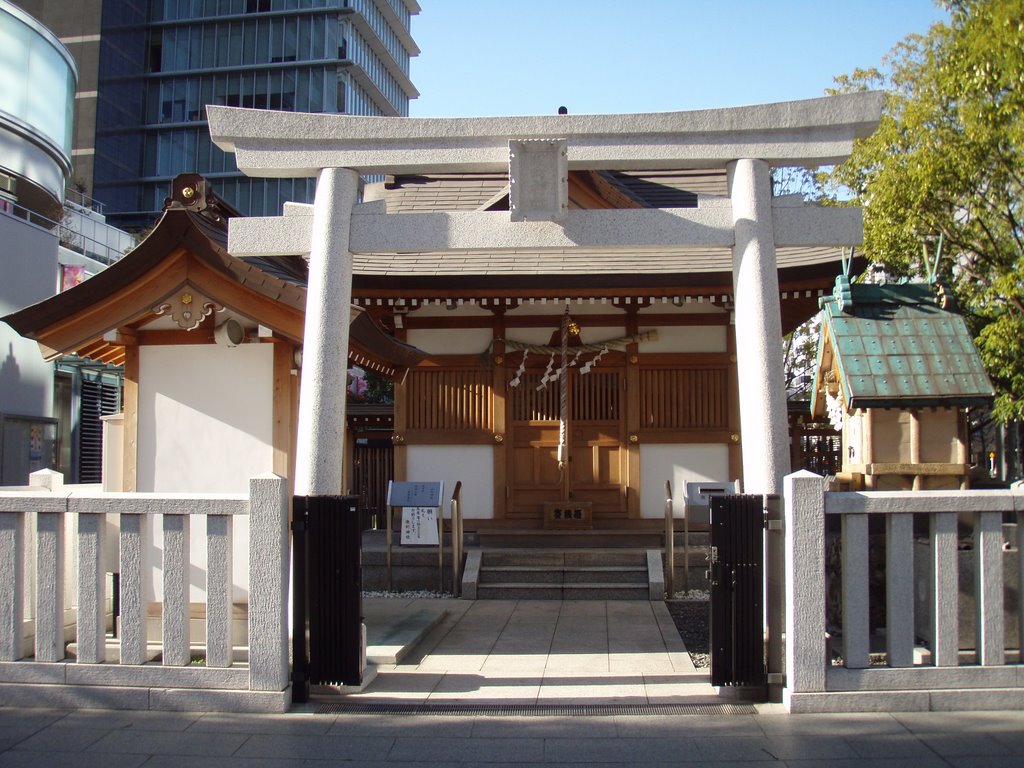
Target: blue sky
<point>527,57</point>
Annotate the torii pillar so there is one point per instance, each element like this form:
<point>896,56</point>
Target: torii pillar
<point>758,316</point>
<point>321,424</point>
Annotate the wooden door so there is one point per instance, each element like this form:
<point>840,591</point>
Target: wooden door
<point>596,468</point>
<point>596,447</point>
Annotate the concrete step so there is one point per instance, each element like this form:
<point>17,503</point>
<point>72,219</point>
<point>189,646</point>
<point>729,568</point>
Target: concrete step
<point>566,574</point>
<point>540,539</point>
<point>564,559</point>
<point>606,574</point>
<point>519,591</point>
<point>577,574</point>
<point>525,574</point>
<point>529,591</point>
<point>392,630</point>
<point>572,575</point>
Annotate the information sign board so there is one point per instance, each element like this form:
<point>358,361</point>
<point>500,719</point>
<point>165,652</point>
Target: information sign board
<point>427,494</point>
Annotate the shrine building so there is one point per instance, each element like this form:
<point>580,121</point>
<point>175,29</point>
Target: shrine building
<point>601,300</point>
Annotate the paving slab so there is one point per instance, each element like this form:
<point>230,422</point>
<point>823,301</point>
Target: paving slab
<point>521,651</point>
<point>705,736</point>
<point>392,630</point>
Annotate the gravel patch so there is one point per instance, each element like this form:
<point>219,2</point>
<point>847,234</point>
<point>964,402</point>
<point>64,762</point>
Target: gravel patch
<point>692,619</point>
<point>408,595</point>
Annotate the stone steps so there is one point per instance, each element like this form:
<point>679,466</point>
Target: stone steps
<point>530,574</point>
<point>582,574</point>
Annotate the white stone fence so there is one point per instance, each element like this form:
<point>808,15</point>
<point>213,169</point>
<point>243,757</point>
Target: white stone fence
<point>944,599</point>
<point>52,542</point>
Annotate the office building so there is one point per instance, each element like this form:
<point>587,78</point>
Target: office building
<point>150,67</point>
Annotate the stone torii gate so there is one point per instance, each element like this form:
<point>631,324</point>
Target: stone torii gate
<point>538,152</point>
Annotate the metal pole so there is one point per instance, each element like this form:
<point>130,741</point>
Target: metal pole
<point>670,550</point>
<point>563,405</point>
<point>387,538</point>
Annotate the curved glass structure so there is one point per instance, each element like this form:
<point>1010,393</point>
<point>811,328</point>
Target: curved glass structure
<point>37,99</point>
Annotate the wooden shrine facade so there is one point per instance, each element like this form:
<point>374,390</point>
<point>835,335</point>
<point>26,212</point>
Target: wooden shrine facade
<point>658,234</point>
<point>624,403</point>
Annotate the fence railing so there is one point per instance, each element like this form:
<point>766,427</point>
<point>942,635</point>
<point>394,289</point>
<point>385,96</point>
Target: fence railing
<point>67,527</point>
<point>78,230</point>
<point>902,600</point>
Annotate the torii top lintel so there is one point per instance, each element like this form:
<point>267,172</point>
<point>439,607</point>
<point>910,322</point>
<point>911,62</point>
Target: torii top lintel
<point>811,132</point>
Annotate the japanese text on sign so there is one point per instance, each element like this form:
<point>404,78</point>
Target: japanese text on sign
<point>419,525</point>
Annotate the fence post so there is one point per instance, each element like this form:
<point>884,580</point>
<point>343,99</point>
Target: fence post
<point>176,615</point>
<point>92,646</point>
<point>133,614</point>
<point>49,566</point>
<point>50,591</point>
<point>805,583</point>
<point>988,587</point>
<point>12,586</point>
<point>856,582</point>
<point>219,613</point>
<point>268,583</point>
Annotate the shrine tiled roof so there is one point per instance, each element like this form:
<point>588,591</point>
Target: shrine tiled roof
<point>482,191</point>
<point>897,346</point>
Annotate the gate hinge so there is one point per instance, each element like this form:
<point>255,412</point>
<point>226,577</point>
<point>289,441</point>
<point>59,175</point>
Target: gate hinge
<point>773,525</point>
<point>776,678</point>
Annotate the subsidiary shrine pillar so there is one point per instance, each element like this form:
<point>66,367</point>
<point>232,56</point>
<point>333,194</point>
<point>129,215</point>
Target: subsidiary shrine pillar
<point>321,428</point>
<point>759,363</point>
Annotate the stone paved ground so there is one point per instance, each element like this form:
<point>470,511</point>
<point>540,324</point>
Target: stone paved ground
<point>527,652</point>
<point>45,738</point>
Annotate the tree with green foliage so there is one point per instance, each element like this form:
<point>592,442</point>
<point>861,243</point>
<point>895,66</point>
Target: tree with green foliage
<point>948,159</point>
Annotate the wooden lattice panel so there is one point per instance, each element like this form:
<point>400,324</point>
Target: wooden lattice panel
<point>450,399</point>
<point>531,402</point>
<point>596,396</point>
<point>684,398</point>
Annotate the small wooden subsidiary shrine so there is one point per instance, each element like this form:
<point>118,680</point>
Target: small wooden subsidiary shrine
<point>897,368</point>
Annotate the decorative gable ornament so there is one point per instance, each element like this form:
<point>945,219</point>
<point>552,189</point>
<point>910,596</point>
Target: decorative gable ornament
<point>188,308</point>
<point>842,294</point>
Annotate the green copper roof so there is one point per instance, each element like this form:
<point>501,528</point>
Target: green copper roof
<point>896,347</point>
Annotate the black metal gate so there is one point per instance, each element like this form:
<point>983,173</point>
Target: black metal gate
<point>327,634</point>
<point>737,578</point>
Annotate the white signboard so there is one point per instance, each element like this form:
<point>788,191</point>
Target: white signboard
<point>419,525</point>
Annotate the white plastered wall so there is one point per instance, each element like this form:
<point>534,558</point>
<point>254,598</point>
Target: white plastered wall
<point>472,464</point>
<point>205,426</point>
<point>680,464</point>
<point>205,417</point>
<point>689,338</point>
<point>444,341</point>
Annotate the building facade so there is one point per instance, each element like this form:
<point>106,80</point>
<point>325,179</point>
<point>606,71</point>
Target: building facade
<point>35,146</point>
<point>152,66</point>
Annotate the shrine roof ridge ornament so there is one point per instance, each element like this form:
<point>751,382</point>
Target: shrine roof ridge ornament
<point>808,132</point>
